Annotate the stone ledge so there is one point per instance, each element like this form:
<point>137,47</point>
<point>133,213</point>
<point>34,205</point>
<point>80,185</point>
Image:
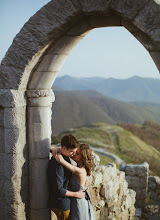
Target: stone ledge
<point>12,98</point>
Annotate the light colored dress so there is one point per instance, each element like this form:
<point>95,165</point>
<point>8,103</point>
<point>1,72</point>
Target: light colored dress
<point>81,209</point>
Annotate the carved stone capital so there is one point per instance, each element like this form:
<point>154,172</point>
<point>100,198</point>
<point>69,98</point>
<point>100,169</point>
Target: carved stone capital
<point>39,93</point>
<point>40,97</point>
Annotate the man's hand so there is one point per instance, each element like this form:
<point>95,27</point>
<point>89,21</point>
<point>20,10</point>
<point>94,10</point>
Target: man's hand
<point>55,151</point>
<point>80,194</point>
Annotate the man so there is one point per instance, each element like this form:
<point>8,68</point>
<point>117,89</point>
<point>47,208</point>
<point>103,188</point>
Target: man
<point>58,180</point>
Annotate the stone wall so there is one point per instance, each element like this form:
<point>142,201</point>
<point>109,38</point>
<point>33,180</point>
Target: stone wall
<point>154,190</point>
<point>137,178</point>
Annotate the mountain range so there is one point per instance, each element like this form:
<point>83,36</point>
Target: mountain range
<point>134,89</point>
<point>78,108</point>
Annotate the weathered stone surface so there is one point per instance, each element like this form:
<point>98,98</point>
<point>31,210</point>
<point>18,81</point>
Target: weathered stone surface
<point>133,181</point>
<point>15,141</point>
<point>81,28</point>
<point>39,131</point>
<point>134,170</point>
<point>104,21</point>
<point>15,117</point>
<point>152,183</point>
<point>156,56</point>
<point>137,178</point>
<point>148,20</point>
<point>141,194</point>
<point>2,146</point>
<point>2,164</point>
<point>64,45</point>
<point>38,174</point>
<point>128,8</point>
<point>1,117</point>
<point>12,98</point>
<point>13,166</point>
<point>15,211</point>
<point>40,214</point>
<point>98,6</point>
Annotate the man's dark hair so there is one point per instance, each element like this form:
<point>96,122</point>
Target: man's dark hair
<point>69,141</point>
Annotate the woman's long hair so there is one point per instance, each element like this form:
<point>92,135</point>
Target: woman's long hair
<point>86,157</point>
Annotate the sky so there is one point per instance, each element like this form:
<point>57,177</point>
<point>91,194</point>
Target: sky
<point>104,52</point>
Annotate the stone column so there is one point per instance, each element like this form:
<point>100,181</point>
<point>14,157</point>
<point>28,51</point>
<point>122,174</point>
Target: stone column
<point>39,138</point>
<point>13,156</point>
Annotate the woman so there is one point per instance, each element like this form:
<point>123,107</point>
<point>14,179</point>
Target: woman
<point>81,209</point>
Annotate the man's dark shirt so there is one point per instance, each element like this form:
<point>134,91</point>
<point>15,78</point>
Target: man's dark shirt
<point>58,182</point>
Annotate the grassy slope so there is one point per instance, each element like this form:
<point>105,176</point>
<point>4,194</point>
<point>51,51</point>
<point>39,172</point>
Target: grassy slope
<point>73,109</point>
<point>120,142</point>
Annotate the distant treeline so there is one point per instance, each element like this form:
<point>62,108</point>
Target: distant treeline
<point>149,132</point>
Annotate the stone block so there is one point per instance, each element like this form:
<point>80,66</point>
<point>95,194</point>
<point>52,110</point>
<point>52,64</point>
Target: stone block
<point>143,182</point>
<point>39,80</point>
<point>12,191</point>
<point>149,44</point>
<point>121,176</point>
<point>15,141</point>
<point>1,117</point>
<point>138,213</point>
<point>40,214</point>
<point>14,164</point>
<point>39,132</point>
<point>38,175</point>
<point>156,56</point>
<point>148,19</point>
<point>153,195</point>
<point>104,21</point>
<point>135,170</point>
<point>94,195</point>
<point>2,163</point>
<point>2,190</point>
<point>128,8</point>
<point>51,63</point>
<point>80,29</point>
<point>140,203</point>
<point>15,117</point>
<point>91,7</point>
<point>65,44</point>
<point>97,179</point>
<point>2,145</point>
<point>12,98</point>
<point>133,181</point>
<point>152,183</point>
<point>15,211</point>
<point>141,194</point>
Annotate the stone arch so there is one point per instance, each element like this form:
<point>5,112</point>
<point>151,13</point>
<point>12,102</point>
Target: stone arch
<point>26,75</point>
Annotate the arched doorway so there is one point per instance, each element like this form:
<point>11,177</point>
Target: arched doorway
<point>27,74</point>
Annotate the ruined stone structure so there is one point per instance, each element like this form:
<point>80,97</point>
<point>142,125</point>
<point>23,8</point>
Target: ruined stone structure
<point>26,75</point>
<point>137,178</point>
<point>154,190</point>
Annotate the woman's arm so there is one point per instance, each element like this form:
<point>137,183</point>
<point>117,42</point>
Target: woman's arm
<point>69,166</point>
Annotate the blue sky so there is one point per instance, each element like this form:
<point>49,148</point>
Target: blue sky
<point>105,52</point>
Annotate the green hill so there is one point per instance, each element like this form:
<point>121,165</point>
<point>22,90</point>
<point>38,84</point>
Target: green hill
<point>77,108</point>
<point>118,141</point>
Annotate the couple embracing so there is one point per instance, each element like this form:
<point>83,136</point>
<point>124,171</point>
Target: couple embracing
<point>68,198</point>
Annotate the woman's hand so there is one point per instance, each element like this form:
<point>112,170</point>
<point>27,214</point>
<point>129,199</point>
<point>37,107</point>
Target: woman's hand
<point>59,158</point>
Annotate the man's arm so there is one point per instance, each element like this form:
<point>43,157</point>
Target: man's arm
<point>62,191</point>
